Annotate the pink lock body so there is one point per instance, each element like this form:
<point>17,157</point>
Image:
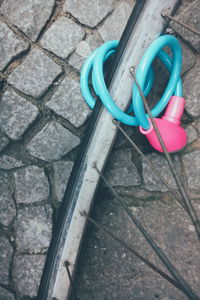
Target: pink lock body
<point>174,136</point>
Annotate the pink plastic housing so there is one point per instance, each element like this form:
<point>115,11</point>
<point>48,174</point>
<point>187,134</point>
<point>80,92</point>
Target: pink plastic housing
<point>174,136</point>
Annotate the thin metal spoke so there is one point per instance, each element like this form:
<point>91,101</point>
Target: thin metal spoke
<point>185,287</point>
<point>71,281</point>
<point>154,169</point>
<point>134,252</point>
<point>185,198</point>
<point>166,15</point>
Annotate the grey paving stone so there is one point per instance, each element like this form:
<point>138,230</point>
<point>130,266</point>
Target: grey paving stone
<point>27,273</point>
<point>31,185</point>
<point>191,90</point>
<point>10,45</point>
<point>6,295</point>
<point>83,50</point>
<point>189,16</point>
<point>5,181</point>
<point>117,21</point>
<point>16,114</point>
<point>197,125</point>
<point>121,170</point>
<point>30,18</point>
<point>5,257</point>
<point>191,134</point>
<point>8,162</point>
<point>62,171</point>
<point>151,180</point>
<point>35,74</point>
<point>68,102</point>
<point>88,12</point>
<point>33,227</point>
<point>191,162</point>
<point>62,37</point>
<point>7,208</point>
<point>52,142</point>
<point>4,140</point>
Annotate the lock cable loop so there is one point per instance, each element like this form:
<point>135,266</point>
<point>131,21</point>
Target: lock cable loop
<point>144,74</point>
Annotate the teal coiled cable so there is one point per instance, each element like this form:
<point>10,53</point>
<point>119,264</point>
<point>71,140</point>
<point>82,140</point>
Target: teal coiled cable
<point>145,77</point>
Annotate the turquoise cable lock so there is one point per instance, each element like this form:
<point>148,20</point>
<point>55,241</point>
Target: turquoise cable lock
<point>174,86</point>
<point>144,74</point>
<point>173,135</point>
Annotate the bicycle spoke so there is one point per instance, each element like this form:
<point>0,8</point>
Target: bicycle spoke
<point>71,281</point>
<point>65,245</point>
<point>166,15</point>
<point>185,287</point>
<point>134,252</point>
<point>154,169</point>
<point>185,198</point>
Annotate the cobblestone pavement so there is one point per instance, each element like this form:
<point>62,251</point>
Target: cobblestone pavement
<point>42,121</point>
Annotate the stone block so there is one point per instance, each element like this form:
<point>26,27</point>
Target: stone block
<point>35,74</point>
<point>121,170</point>
<point>16,114</point>
<point>62,37</point>
<point>68,102</point>
<point>33,228</point>
<point>89,13</point>
<point>10,45</point>
<point>52,142</point>
<point>31,185</point>
<point>29,18</point>
<point>114,25</point>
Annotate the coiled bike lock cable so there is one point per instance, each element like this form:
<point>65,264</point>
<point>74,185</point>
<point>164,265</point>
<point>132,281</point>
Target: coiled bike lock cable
<point>176,137</point>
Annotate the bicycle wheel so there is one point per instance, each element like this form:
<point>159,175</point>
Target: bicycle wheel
<point>71,240</point>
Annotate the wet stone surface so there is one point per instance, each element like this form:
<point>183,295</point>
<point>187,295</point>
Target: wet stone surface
<point>116,21</point>
<point>10,45</point>
<point>23,16</point>
<point>27,273</point>
<point>61,140</point>
<point>5,258</point>
<point>33,228</point>
<point>62,171</point>
<point>31,185</point>
<point>88,13</point>
<point>16,114</point>
<point>35,74</point>
<point>69,103</point>
<point>62,37</point>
